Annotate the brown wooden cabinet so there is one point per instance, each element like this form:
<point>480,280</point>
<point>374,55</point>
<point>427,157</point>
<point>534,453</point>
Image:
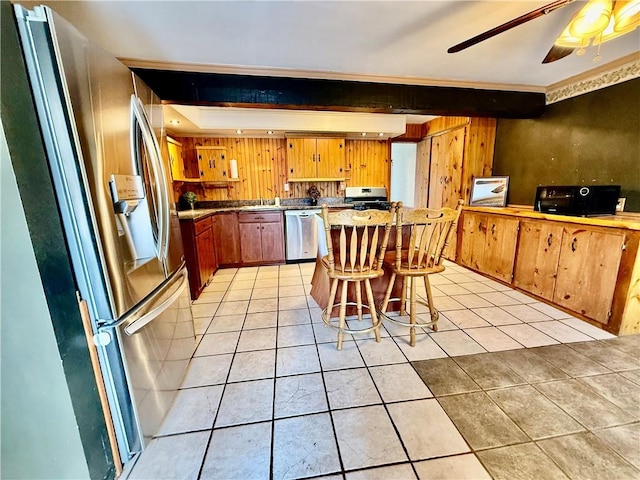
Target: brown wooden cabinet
<point>315,158</point>
<point>488,244</point>
<point>199,250</point>
<point>176,162</point>
<point>212,164</point>
<point>261,237</point>
<point>536,263</point>
<point>226,238</point>
<point>587,271</point>
<point>583,266</point>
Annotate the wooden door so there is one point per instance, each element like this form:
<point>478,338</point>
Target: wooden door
<point>423,173</point>
<point>587,271</point>
<point>537,257</point>
<point>501,236</point>
<point>176,162</point>
<point>226,238</point>
<point>301,158</point>
<point>471,251</point>
<point>206,255</point>
<point>447,153</point>
<point>212,163</point>
<point>330,157</point>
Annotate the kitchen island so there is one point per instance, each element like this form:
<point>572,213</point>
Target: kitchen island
<point>588,267</point>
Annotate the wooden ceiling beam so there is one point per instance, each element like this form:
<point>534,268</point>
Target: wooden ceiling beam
<point>212,89</point>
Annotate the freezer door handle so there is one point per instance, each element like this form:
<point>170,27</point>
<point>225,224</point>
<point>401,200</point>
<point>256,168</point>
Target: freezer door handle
<point>136,325</point>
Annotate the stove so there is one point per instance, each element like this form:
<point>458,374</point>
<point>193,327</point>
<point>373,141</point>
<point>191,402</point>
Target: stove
<point>365,198</point>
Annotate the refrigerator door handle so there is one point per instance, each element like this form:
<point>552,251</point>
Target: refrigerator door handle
<point>136,325</point>
<point>134,315</point>
<point>139,118</point>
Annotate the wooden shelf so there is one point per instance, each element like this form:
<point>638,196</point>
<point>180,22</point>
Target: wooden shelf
<point>315,179</point>
<point>207,183</point>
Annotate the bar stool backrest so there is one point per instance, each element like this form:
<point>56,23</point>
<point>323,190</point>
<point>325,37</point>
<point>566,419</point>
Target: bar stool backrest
<point>363,239</point>
<point>428,231</point>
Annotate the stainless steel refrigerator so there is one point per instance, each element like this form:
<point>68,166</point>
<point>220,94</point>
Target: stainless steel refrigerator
<point>100,126</point>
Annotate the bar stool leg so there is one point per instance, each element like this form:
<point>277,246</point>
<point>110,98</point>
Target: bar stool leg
<point>372,308</point>
<point>359,300</point>
<point>343,312</point>
<point>403,296</point>
<point>387,296</point>
<point>412,312</point>
<point>332,299</point>
<point>432,309</point>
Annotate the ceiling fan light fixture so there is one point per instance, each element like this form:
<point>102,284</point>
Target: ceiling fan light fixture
<point>592,19</point>
<point>627,15</point>
<point>568,40</point>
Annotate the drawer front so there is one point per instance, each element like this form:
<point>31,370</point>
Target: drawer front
<point>202,225</point>
<point>260,217</point>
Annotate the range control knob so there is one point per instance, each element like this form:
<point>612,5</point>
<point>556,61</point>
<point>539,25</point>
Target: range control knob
<point>584,191</point>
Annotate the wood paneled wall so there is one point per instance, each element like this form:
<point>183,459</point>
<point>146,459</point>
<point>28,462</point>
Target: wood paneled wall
<point>262,168</point>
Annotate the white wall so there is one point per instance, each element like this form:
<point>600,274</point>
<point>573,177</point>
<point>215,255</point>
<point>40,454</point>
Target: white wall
<point>403,172</point>
<point>39,433</point>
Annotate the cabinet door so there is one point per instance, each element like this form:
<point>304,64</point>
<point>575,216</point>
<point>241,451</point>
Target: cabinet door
<point>226,238</point>
<point>301,158</point>
<point>587,271</point>
<point>330,157</point>
<point>537,257</point>
<point>212,164</point>
<point>471,251</point>
<point>501,236</point>
<point>206,255</point>
<point>272,242</point>
<point>175,159</point>
<point>250,239</point>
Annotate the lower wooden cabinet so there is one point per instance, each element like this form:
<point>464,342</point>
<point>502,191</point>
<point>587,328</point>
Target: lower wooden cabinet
<point>536,264</point>
<point>488,244</point>
<point>582,266</point>
<point>588,271</point>
<point>261,237</point>
<point>226,238</point>
<point>199,252</point>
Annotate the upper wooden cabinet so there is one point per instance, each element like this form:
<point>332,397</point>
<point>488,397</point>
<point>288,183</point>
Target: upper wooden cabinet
<point>176,162</point>
<point>212,164</point>
<point>315,159</point>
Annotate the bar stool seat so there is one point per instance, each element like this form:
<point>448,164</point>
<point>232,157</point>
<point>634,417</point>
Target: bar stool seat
<point>428,231</point>
<point>362,242</point>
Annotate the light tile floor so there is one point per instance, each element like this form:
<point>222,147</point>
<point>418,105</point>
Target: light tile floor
<point>508,388</point>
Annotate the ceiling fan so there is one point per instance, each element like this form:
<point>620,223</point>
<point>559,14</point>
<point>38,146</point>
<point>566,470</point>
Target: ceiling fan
<point>598,21</point>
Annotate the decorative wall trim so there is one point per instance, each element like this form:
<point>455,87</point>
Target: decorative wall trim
<point>625,69</point>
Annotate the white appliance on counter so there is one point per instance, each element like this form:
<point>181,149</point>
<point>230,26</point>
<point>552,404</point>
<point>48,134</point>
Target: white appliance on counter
<point>97,121</point>
<point>302,234</point>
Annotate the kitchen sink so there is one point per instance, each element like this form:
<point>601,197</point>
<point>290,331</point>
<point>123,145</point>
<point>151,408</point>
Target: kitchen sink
<point>259,207</point>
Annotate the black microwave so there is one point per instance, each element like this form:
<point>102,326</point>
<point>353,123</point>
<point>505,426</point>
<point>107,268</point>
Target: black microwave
<point>577,200</point>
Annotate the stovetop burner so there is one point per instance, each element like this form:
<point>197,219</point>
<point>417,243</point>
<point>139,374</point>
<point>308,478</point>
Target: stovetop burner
<point>372,205</point>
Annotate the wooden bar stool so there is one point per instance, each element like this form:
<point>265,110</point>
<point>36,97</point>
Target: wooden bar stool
<point>429,230</point>
<point>363,237</point>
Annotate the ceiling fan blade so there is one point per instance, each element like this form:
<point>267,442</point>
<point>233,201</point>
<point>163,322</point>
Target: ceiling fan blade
<point>556,53</point>
<point>509,25</point>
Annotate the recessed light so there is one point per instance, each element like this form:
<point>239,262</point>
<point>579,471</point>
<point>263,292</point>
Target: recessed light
<point>364,134</point>
<point>381,134</point>
<point>270,132</point>
<point>174,122</point>
<point>238,131</point>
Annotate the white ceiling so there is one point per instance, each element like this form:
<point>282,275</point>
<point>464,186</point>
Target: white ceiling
<point>397,41</point>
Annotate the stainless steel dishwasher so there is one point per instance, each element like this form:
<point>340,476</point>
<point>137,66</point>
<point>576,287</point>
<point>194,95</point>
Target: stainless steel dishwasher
<point>302,234</point>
